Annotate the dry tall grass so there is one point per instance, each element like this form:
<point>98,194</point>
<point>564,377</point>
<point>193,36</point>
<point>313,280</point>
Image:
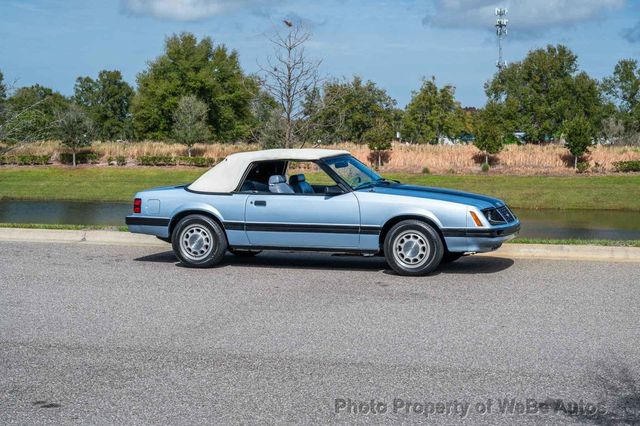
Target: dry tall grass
<point>439,159</point>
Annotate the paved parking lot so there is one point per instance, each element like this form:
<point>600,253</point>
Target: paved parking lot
<point>113,334</point>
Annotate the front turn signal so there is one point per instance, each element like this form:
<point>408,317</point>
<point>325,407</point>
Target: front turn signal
<point>475,218</point>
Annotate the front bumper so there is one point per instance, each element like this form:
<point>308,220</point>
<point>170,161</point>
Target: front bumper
<point>480,240</point>
<point>484,240</point>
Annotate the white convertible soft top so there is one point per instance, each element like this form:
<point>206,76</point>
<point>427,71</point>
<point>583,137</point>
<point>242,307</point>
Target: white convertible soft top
<point>225,176</point>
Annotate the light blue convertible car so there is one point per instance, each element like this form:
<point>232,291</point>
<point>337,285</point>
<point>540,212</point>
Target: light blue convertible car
<point>320,200</point>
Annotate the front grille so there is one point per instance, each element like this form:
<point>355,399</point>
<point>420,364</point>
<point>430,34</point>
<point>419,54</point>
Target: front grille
<point>506,214</point>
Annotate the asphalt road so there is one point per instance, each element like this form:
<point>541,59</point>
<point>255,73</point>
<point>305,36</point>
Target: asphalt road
<point>94,334</point>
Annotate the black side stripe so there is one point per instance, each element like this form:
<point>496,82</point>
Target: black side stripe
<point>234,226</point>
<point>146,221</point>
<point>293,227</point>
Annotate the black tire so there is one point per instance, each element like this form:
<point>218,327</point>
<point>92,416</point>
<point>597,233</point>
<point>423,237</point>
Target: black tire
<point>413,248</point>
<point>449,257</point>
<point>199,242</point>
<point>245,253</point>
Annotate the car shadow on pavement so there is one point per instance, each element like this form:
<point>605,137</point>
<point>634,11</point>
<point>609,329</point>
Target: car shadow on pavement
<point>164,257</point>
<point>303,260</point>
<point>476,265</point>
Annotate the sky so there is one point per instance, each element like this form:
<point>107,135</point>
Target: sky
<point>394,43</point>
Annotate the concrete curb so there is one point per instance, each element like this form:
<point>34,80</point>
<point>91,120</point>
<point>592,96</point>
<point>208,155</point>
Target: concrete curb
<point>521,251</point>
<point>568,252</point>
<point>71,236</point>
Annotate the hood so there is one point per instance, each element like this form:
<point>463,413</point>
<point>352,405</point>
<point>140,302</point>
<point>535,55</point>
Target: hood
<point>450,195</point>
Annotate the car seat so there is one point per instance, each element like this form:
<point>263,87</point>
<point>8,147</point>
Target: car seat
<point>300,185</point>
<point>278,185</point>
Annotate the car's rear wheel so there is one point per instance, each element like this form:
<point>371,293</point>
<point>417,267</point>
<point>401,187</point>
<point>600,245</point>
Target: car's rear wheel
<point>245,253</point>
<point>413,248</point>
<point>199,242</point>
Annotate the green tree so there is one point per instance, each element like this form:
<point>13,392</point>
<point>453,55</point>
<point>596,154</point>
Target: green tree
<point>190,122</point>
<point>623,88</point>
<point>31,113</point>
<point>106,100</point>
<point>543,91</point>
<point>351,109</point>
<point>189,66</point>
<point>3,98</point>
<point>579,134</point>
<point>3,88</point>
<point>75,129</point>
<point>489,131</point>
<point>379,138</point>
<point>433,113</point>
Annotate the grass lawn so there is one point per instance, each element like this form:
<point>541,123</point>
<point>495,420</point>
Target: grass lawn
<point>613,192</point>
<point>64,227</point>
<point>609,243</point>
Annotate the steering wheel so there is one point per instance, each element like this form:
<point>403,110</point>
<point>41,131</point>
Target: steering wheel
<point>356,181</point>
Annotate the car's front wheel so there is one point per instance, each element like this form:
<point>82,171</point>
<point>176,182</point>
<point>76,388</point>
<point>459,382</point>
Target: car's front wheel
<point>199,242</point>
<point>413,248</point>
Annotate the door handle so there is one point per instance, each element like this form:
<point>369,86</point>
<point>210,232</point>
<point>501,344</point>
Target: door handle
<point>260,203</point>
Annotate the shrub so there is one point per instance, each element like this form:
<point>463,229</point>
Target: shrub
<point>196,161</point>
<point>25,160</point>
<point>156,160</point>
<point>425,170</point>
<point>627,166</point>
<point>582,167</point>
<point>81,157</point>
<point>119,160</point>
<point>485,167</point>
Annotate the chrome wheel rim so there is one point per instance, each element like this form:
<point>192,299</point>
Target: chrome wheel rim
<point>411,249</point>
<point>196,242</point>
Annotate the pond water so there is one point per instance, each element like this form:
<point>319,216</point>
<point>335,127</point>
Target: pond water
<point>578,224</point>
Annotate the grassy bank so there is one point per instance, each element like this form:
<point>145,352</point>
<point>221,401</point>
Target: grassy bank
<point>63,227</point>
<point>614,192</point>
<point>572,242</point>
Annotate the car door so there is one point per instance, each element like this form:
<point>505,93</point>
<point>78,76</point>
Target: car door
<point>303,220</point>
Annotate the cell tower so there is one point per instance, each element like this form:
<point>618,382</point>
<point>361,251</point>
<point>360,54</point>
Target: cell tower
<point>501,32</point>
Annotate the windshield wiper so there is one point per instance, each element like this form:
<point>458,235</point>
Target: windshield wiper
<point>365,185</point>
<point>372,183</point>
<point>385,180</point>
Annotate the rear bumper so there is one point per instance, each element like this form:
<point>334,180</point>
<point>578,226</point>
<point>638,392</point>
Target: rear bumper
<point>146,221</point>
<point>158,226</point>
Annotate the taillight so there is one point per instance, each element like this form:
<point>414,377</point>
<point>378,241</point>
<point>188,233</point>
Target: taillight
<point>137,205</point>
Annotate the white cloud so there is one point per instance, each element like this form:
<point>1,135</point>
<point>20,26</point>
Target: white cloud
<point>188,10</point>
<point>526,15</point>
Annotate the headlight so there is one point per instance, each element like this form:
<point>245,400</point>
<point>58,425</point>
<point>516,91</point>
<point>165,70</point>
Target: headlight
<point>494,217</point>
<point>499,216</point>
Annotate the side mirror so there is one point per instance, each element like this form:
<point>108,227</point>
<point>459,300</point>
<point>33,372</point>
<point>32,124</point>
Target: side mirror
<point>333,190</point>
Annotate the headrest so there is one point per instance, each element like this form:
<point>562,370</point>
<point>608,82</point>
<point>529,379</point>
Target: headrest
<point>276,179</point>
<point>296,179</point>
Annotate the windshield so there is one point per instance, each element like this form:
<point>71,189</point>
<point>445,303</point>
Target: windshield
<point>352,171</point>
